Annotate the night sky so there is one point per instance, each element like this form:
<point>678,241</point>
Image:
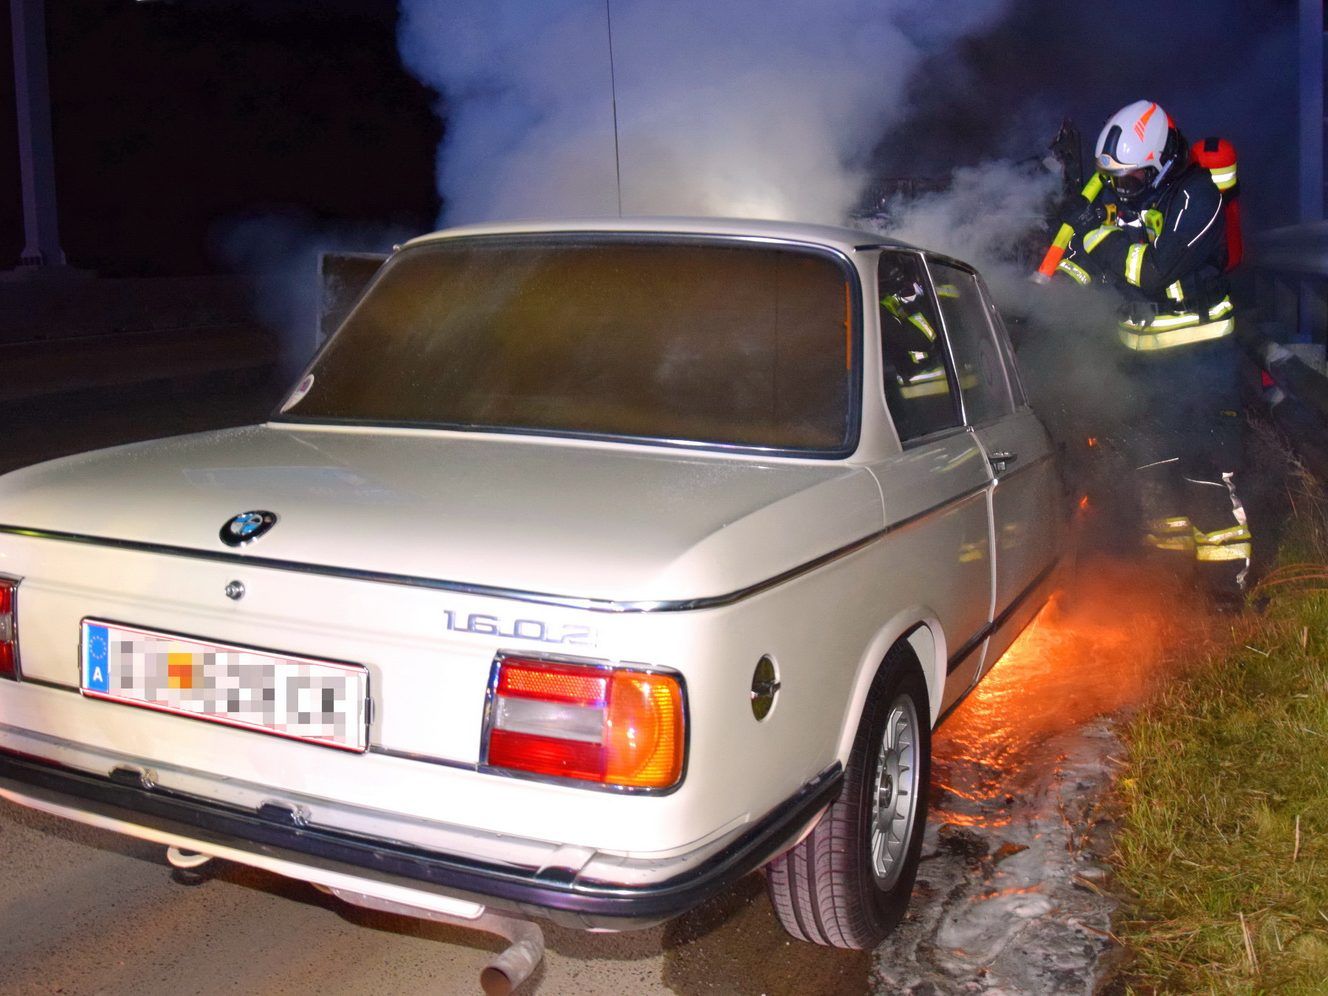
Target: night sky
<point>174,119</point>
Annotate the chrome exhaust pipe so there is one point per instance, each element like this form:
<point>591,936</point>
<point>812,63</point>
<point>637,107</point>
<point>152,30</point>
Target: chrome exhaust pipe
<point>186,860</point>
<point>506,970</point>
<point>512,966</point>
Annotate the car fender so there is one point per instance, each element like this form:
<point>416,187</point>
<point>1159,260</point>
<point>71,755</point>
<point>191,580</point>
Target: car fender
<point>922,629</point>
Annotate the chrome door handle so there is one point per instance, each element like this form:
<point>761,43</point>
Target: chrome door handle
<point>1002,459</point>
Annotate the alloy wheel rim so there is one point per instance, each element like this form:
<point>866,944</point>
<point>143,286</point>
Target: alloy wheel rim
<point>894,793</point>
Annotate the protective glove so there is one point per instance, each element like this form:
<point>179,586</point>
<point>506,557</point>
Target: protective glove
<point>1083,216</point>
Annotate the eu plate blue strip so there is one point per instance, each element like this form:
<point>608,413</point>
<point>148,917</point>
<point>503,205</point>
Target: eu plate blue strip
<point>96,659</point>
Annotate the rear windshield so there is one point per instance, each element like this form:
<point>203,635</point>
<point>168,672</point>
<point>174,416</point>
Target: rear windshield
<point>740,344</point>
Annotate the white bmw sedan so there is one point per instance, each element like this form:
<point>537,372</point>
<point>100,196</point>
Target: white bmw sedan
<point>588,568</point>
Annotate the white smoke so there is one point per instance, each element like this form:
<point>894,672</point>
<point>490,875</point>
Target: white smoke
<point>994,216</point>
<point>282,250</point>
<point>742,108</point>
<point>984,216</point>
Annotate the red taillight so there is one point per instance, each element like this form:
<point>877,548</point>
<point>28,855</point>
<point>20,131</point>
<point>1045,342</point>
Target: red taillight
<point>612,726</point>
<point>8,629</point>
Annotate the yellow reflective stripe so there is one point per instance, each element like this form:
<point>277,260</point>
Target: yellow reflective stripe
<point>1224,177</point>
<point>935,373</point>
<point>1094,238</point>
<point>1180,319</point>
<point>1184,543</point>
<point>1171,524</point>
<point>922,325</point>
<point>947,290</point>
<point>971,552</point>
<point>1075,272</point>
<point>1163,323</point>
<point>1134,263</point>
<point>927,389</point>
<point>1147,341</point>
<point>1152,219</point>
<point>1231,551</point>
<point>1223,535</point>
<point>925,384</point>
<point>1176,293</point>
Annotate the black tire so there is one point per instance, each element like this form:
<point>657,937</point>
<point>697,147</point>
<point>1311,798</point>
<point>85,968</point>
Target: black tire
<point>828,889</point>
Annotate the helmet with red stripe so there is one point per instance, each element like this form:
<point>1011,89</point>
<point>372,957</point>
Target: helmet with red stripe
<point>1138,149</point>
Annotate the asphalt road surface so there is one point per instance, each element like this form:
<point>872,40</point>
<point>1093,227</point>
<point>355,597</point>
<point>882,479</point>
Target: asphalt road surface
<point>84,911</point>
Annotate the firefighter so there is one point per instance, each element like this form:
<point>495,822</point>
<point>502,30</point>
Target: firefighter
<point>913,359</point>
<point>1164,233</point>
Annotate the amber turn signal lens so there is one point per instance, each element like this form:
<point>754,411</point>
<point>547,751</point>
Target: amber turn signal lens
<point>644,730</point>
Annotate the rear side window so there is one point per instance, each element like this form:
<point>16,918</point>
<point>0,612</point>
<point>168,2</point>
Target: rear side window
<point>977,359</point>
<point>918,390</point>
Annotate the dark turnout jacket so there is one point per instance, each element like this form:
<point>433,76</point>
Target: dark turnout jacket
<point>1181,268</point>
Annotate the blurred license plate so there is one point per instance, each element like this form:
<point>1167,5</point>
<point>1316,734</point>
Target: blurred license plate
<point>317,701</point>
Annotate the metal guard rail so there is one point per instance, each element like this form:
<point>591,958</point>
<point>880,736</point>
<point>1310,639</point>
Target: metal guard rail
<point>1291,271</point>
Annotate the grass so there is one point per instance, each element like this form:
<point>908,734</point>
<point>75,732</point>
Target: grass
<point>1223,850</point>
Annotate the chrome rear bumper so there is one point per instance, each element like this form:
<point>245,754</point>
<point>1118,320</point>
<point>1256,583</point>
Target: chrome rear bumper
<point>278,840</point>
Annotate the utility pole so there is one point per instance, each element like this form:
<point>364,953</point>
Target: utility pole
<point>36,150</point>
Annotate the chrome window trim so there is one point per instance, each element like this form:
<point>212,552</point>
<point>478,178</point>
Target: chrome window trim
<point>946,347</point>
<point>606,605</point>
<point>1005,346</point>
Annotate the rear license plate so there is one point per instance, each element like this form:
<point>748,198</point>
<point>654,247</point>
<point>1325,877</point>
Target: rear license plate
<point>321,702</point>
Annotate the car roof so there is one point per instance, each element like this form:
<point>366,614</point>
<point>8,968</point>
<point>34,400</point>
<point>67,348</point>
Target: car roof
<point>844,239</point>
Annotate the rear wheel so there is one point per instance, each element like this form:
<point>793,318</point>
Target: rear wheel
<point>848,882</point>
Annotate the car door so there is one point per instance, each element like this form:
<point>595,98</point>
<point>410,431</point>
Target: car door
<point>935,489</point>
<point>1026,499</point>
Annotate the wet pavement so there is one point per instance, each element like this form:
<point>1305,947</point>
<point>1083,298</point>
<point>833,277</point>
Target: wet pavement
<point>1010,897</point>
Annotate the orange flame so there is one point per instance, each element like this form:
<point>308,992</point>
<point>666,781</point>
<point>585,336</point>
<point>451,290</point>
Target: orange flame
<point>1069,665</point>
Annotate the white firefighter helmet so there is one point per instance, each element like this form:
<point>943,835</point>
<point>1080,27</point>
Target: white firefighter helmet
<point>1138,147</point>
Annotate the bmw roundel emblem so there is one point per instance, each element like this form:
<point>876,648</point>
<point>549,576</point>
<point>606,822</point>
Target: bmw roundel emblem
<point>247,527</point>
